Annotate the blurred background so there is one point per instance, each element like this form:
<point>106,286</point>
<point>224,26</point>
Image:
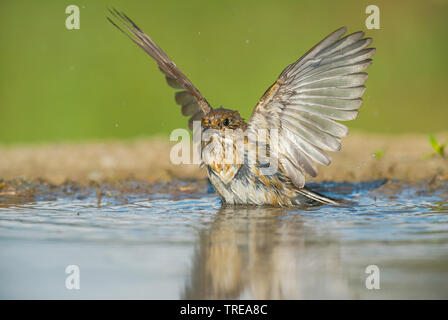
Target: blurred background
<point>93,83</point>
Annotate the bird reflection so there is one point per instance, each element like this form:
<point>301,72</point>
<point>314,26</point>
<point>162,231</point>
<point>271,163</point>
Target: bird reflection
<point>264,253</point>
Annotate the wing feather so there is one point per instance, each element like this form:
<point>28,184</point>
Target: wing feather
<point>323,86</point>
<point>191,100</point>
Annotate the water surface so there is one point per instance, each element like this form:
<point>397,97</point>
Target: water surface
<point>175,241</point>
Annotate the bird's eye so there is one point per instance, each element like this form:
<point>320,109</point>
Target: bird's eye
<point>226,122</point>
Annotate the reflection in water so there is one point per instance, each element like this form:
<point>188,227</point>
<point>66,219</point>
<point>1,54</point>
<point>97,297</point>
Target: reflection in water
<point>264,253</point>
<point>173,240</point>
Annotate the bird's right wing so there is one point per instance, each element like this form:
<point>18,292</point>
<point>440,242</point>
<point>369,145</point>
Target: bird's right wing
<point>192,102</point>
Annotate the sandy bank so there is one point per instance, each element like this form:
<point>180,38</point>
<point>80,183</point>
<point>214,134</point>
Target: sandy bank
<point>363,157</point>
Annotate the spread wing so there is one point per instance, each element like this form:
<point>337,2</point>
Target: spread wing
<point>323,86</point>
<point>192,102</point>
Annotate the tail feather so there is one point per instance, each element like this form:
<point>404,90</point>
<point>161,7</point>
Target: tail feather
<point>317,197</point>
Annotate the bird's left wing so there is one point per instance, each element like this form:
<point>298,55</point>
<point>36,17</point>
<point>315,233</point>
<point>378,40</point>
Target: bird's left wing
<point>192,102</point>
<point>325,85</point>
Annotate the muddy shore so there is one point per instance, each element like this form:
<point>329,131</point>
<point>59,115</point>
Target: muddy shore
<point>363,157</point>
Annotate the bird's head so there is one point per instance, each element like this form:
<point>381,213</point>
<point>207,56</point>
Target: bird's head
<point>223,119</point>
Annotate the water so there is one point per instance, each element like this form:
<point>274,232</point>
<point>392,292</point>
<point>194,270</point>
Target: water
<point>174,241</point>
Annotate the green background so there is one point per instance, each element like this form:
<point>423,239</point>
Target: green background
<point>93,83</point>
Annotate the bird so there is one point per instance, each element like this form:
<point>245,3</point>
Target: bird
<point>295,122</point>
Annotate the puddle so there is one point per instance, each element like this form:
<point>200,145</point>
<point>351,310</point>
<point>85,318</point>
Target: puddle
<point>174,241</point>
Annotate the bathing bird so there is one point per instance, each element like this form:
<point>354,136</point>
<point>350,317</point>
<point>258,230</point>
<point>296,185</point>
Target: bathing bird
<point>266,160</point>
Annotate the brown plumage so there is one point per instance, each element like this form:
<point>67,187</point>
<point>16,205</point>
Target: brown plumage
<point>293,124</point>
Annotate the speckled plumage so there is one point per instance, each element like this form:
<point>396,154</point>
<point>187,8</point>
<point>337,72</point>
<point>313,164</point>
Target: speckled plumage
<point>295,121</point>
<point>241,182</point>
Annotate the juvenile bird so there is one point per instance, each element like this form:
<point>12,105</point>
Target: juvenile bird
<point>264,161</point>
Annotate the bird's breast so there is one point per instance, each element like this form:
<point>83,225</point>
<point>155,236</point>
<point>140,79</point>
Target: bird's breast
<point>223,157</point>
